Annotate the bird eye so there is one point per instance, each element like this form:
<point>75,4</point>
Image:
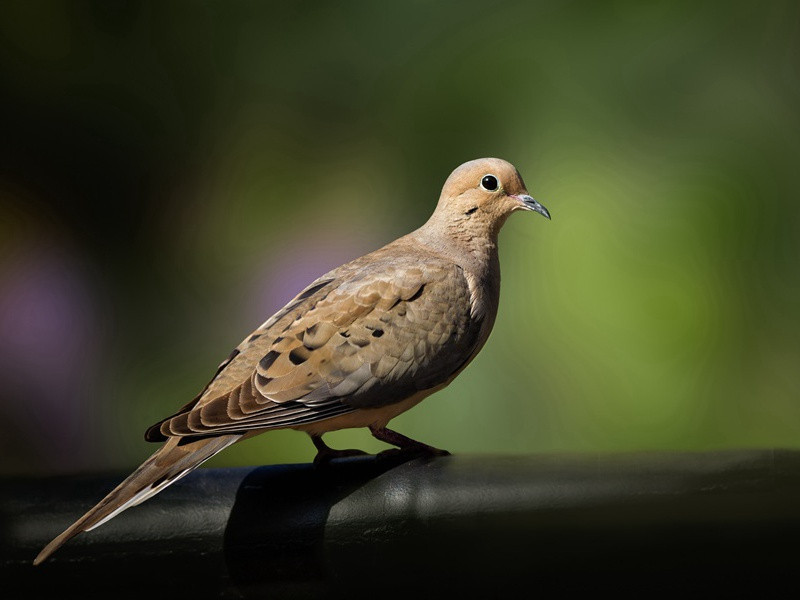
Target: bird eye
<point>489,183</point>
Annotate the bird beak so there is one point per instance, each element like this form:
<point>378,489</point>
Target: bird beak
<point>529,203</point>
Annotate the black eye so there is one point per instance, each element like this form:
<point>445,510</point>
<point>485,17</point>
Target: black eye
<point>489,183</point>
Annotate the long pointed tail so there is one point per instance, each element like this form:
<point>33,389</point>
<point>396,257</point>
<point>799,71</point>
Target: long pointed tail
<point>176,458</point>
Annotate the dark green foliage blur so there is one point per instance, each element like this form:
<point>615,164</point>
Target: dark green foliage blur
<point>172,172</point>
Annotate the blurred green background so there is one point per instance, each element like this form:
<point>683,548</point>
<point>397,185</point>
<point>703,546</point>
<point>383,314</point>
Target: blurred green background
<point>172,172</point>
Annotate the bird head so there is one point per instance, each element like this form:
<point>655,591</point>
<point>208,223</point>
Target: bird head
<point>487,189</point>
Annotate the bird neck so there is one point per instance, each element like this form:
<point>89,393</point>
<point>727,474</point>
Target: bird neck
<point>468,240</point>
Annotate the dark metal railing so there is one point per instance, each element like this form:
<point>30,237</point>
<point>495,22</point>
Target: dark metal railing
<point>650,524</point>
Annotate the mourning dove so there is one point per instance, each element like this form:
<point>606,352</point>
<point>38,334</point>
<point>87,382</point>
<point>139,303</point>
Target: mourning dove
<point>357,347</point>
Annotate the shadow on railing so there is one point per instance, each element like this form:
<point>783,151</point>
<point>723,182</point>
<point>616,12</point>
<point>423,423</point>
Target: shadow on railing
<point>652,524</point>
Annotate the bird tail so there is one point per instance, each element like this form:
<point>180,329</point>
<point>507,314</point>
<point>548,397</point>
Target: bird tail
<point>172,461</point>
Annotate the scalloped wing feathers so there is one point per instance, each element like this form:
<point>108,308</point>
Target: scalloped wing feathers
<point>358,337</point>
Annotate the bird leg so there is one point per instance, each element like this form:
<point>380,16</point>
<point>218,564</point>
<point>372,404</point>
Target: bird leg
<point>404,444</point>
<point>325,454</point>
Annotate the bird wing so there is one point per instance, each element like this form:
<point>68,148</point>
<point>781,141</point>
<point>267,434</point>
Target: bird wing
<point>366,335</point>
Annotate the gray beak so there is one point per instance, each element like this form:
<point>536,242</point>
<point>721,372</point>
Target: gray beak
<point>529,203</point>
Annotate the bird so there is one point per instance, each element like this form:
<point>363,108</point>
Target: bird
<point>358,346</point>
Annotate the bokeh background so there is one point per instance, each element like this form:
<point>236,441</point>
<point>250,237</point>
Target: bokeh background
<point>172,172</point>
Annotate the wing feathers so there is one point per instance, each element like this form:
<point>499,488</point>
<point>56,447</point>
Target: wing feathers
<point>359,339</point>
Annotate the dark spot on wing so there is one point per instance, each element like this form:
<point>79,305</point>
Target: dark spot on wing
<point>299,355</point>
<point>298,301</point>
<point>269,358</point>
<point>313,289</point>
<point>377,333</point>
<point>471,210</point>
<point>254,337</point>
<point>261,380</point>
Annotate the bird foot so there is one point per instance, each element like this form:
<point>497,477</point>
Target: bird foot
<point>411,451</point>
<point>406,447</point>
